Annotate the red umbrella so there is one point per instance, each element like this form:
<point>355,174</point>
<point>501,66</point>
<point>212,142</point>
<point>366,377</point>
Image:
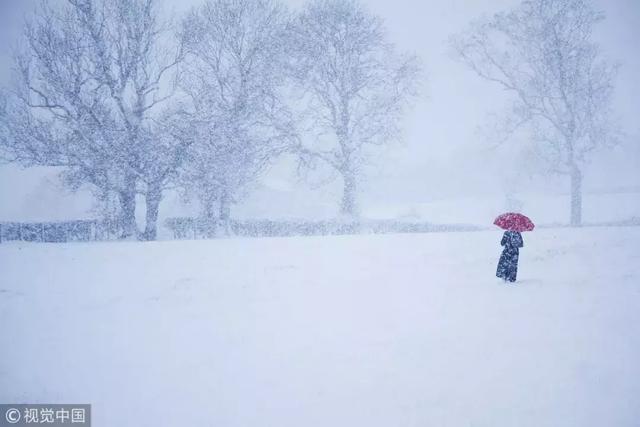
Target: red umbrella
<point>514,222</point>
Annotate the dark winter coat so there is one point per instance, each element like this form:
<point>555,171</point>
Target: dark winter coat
<point>508,264</point>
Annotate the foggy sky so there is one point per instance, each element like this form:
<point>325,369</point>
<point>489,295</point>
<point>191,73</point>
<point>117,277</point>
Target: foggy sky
<point>442,153</point>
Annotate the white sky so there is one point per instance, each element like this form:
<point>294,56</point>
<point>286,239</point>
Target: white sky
<point>442,154</point>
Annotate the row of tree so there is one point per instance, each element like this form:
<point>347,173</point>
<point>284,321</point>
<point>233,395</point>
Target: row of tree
<point>131,104</point>
<point>128,103</point>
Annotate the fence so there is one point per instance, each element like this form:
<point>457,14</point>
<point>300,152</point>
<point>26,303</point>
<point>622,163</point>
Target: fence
<point>193,228</point>
<point>62,231</point>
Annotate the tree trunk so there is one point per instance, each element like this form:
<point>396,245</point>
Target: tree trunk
<point>127,198</point>
<point>207,216</point>
<point>152,200</point>
<point>349,206</point>
<point>576,197</point>
<point>225,211</point>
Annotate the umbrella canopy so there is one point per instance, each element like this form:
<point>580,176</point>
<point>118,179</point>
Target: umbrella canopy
<point>512,221</point>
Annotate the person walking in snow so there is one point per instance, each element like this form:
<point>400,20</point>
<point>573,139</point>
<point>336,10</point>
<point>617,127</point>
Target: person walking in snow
<point>514,223</point>
<point>508,264</point>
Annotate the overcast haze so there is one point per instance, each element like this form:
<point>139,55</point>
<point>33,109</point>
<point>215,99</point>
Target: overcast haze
<point>464,284</point>
<point>442,154</point>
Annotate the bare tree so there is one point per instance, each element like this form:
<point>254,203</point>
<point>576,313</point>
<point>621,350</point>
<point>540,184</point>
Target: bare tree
<point>88,78</point>
<point>543,53</point>
<point>356,87</point>
<point>233,79</point>
<point>166,148</point>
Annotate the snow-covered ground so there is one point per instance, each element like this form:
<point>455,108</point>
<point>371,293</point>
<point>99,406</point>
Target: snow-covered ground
<point>545,208</point>
<point>393,330</point>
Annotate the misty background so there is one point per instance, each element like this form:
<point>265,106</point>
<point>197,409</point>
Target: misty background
<point>447,151</point>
